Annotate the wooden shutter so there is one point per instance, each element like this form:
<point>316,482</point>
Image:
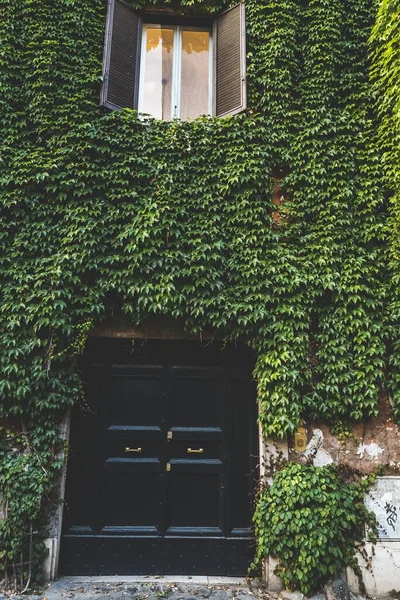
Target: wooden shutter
<point>230,62</point>
<point>121,55</point>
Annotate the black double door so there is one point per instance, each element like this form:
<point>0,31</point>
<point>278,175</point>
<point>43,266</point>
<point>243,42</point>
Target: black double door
<point>163,461</point>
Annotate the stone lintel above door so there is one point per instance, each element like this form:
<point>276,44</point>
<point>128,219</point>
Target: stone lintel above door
<point>158,327</point>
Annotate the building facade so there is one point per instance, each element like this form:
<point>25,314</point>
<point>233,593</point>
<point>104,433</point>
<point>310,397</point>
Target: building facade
<point>197,278</point>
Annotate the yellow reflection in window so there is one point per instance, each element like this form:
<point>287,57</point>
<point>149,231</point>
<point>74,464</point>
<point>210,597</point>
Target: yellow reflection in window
<point>195,73</point>
<point>157,80</point>
<point>158,36</point>
<point>195,41</point>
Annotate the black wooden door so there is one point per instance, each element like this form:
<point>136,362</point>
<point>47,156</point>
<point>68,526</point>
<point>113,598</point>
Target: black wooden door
<point>163,461</point>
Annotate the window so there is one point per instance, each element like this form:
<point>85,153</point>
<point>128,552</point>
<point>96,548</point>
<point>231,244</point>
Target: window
<point>175,72</point>
<point>175,68</point>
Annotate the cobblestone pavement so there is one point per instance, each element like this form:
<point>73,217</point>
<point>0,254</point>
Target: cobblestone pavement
<point>173,588</point>
<point>202,588</point>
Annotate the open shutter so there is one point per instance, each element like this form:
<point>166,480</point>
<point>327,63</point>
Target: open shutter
<point>230,62</point>
<point>121,55</point>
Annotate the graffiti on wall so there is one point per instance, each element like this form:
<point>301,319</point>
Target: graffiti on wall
<point>384,500</point>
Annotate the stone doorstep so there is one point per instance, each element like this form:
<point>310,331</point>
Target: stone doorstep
<point>157,579</point>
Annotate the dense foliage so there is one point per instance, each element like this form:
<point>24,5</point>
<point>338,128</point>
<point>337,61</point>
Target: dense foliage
<point>104,214</point>
<point>385,76</point>
<point>313,522</point>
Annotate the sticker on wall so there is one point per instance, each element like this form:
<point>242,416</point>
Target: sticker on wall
<point>384,501</point>
<point>300,439</point>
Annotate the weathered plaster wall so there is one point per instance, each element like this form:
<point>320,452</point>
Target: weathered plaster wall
<point>374,442</point>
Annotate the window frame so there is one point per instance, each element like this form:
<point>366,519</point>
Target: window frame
<point>122,56</point>
<point>176,88</point>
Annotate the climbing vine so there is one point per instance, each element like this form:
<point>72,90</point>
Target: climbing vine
<point>313,521</point>
<point>103,213</point>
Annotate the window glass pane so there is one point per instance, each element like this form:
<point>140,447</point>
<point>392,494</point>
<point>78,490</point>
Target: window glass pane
<point>157,78</point>
<point>195,74</point>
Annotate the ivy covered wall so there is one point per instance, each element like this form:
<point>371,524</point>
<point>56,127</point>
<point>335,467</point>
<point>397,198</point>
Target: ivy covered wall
<point>384,75</point>
<point>103,214</point>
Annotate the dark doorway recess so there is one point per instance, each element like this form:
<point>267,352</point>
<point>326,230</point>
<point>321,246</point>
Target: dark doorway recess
<point>163,460</point>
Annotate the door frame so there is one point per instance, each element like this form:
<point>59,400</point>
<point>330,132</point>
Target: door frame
<point>161,328</point>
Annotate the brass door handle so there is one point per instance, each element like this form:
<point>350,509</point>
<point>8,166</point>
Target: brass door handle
<point>191,451</point>
<point>127,449</point>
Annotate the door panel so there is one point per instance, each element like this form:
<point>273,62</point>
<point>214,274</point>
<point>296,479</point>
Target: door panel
<point>111,555</point>
<point>115,432</point>
<point>195,488</point>
<point>194,497</point>
<point>132,496</point>
<point>133,442</point>
<point>196,399</point>
<point>238,552</point>
<point>241,489</point>
<point>195,557</point>
<point>137,399</point>
<point>165,458</point>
